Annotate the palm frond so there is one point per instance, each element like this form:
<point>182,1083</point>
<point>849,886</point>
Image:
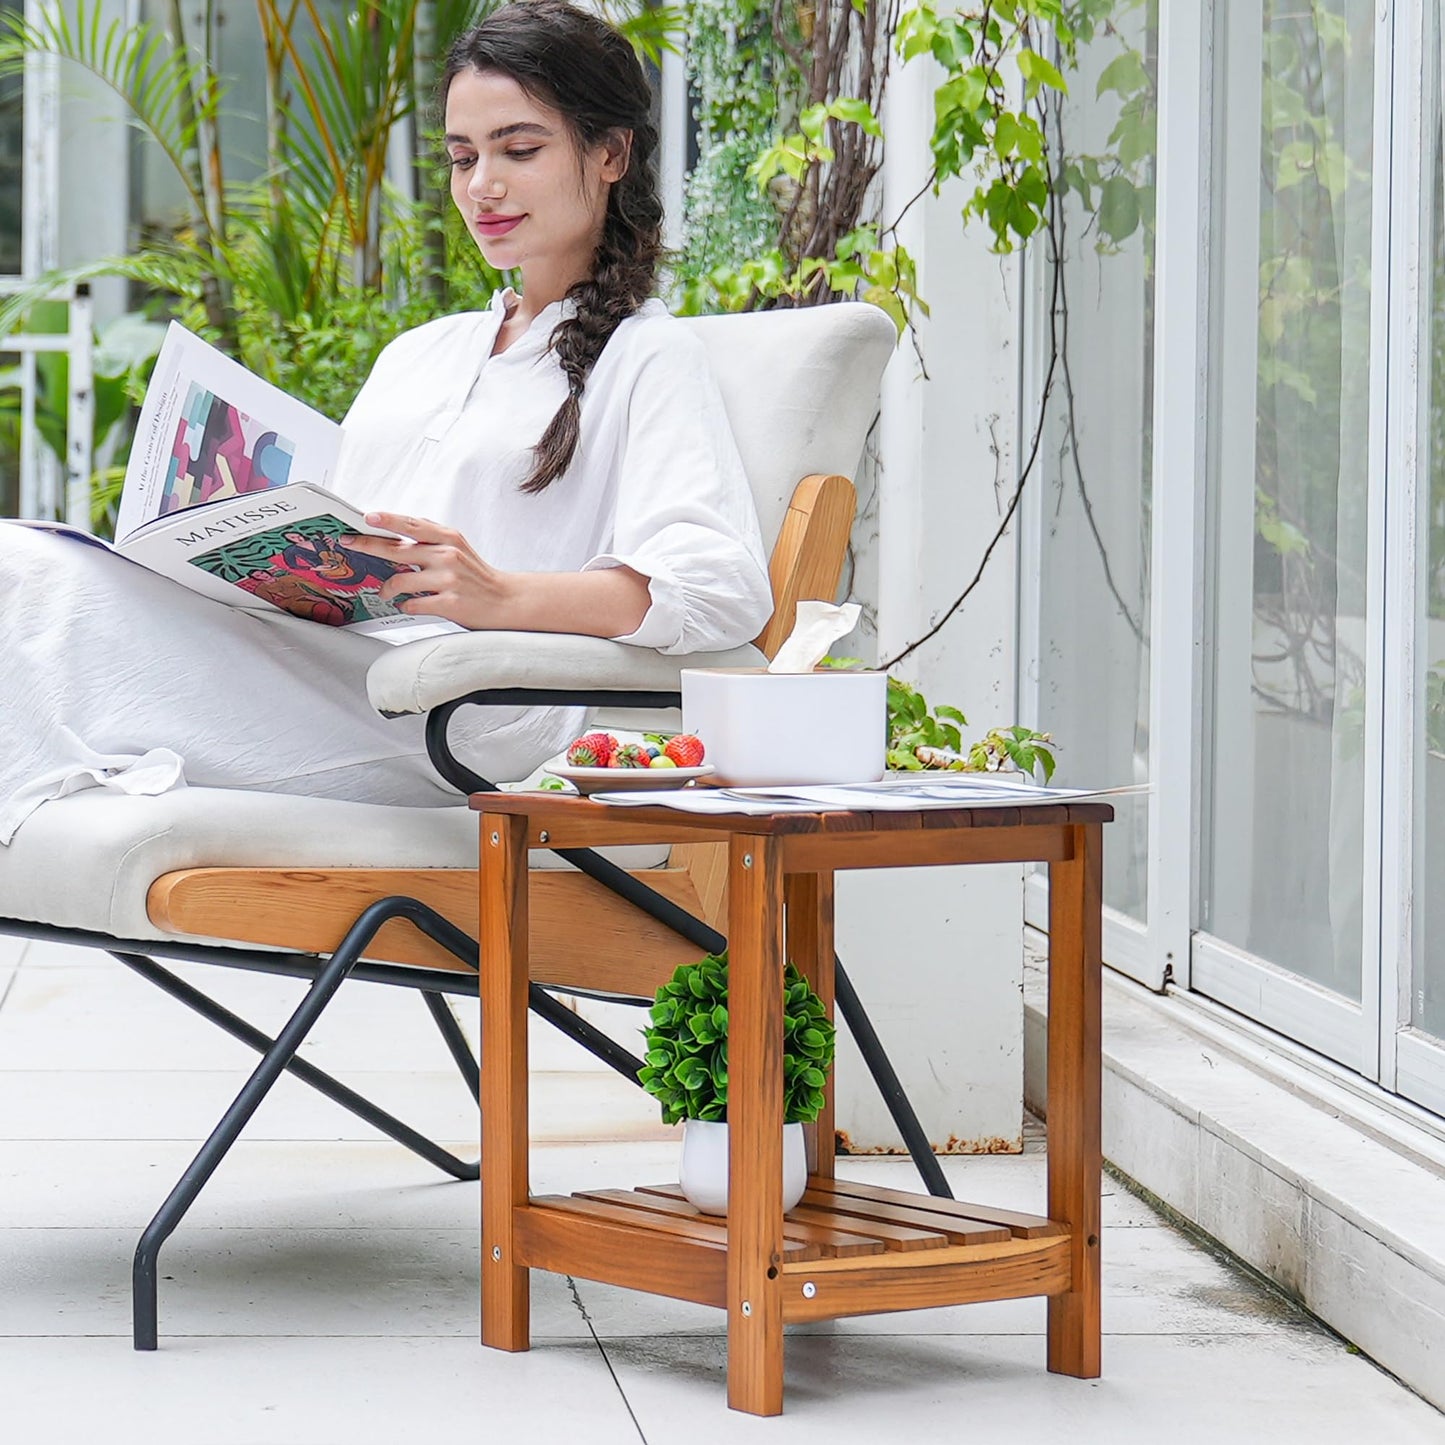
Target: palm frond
<point>455,16</point>
<point>175,270</point>
<point>137,63</point>
<point>651,30</point>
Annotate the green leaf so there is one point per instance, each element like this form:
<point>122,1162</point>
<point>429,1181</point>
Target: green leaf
<point>1006,134</point>
<point>889,304</point>
<point>811,121</point>
<point>857,112</point>
<point>1038,72</point>
<point>1118,211</point>
<point>1125,74</point>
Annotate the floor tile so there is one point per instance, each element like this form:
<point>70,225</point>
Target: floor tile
<point>12,950</point>
<point>266,1282</point>
<point>186,1104</point>
<point>300,1184</point>
<point>41,953</point>
<point>238,1391</point>
<point>994,1390</point>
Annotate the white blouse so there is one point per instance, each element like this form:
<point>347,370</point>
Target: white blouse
<point>445,430</point>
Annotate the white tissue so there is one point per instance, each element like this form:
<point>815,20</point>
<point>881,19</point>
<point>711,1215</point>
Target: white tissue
<point>818,626</point>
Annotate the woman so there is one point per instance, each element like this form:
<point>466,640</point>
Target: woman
<point>558,463</point>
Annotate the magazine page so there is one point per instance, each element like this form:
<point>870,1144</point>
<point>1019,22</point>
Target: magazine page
<point>281,550</point>
<point>905,792</point>
<point>897,792</point>
<point>61,529</point>
<point>210,430</point>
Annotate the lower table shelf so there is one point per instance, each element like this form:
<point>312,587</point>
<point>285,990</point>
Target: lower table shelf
<point>848,1248</point>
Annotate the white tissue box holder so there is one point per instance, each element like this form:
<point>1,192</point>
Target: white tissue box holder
<point>762,728</point>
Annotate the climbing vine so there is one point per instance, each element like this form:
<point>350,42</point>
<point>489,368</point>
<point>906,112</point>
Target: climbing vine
<point>829,239</point>
<point>744,84</point>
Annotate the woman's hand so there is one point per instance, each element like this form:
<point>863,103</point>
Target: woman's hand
<point>449,578</point>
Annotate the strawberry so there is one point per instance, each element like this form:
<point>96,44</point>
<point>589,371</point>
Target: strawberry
<point>685,749</point>
<point>592,750</point>
<point>630,755</point>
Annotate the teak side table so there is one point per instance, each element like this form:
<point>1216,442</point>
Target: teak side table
<point>848,1249</point>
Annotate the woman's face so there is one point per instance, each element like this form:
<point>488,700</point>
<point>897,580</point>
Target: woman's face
<point>526,195</point>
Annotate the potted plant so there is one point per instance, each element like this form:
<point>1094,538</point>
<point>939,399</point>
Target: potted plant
<point>687,1073</point>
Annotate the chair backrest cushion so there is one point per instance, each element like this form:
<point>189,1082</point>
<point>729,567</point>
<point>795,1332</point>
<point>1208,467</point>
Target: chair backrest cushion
<point>801,390</point>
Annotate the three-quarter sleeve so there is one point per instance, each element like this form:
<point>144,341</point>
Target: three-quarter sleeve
<point>685,517</point>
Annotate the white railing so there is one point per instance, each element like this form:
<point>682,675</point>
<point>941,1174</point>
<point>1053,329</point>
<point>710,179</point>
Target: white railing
<point>48,489</point>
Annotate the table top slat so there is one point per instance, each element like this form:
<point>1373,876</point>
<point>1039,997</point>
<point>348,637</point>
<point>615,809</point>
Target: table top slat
<point>549,809</point>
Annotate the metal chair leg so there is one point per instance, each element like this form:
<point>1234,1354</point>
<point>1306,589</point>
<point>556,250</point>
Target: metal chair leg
<point>308,1073</point>
<point>145,1304</point>
<point>456,1042</point>
<point>597,1043</point>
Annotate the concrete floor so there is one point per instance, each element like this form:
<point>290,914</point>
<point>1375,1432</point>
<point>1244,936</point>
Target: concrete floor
<point>324,1288</point>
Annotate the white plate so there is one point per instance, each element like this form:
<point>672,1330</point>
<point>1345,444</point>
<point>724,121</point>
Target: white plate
<point>603,780</point>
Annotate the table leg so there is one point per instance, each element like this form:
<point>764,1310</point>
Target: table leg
<point>809,898</point>
<point>1075,1040</point>
<point>504,978</point>
<point>755,1125</point>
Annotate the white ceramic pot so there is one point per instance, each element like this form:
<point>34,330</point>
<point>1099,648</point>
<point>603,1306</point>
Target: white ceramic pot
<point>704,1171</point>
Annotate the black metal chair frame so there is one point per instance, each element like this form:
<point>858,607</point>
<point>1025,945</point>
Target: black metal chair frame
<point>278,1054</point>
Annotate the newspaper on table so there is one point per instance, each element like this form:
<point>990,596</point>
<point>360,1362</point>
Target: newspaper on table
<point>896,792</point>
<point>226,492</point>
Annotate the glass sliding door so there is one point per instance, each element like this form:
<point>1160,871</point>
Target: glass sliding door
<point>1427,992</point>
<point>1420,1050</point>
<point>1091,672</point>
<point>1282,865</point>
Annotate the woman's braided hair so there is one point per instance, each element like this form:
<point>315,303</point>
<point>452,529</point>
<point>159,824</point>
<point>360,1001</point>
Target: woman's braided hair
<point>579,66</point>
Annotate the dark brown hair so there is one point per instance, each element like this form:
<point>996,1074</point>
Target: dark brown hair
<point>579,66</point>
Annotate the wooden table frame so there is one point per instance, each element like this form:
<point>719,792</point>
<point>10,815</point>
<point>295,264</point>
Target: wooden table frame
<point>848,1249</point>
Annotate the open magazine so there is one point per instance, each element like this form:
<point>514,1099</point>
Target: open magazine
<point>226,493</point>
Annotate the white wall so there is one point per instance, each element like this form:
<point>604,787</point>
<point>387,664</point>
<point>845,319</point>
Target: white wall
<point>936,954</point>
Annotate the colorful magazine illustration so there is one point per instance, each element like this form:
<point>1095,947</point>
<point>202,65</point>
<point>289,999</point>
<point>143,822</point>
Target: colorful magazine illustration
<point>304,569</point>
<point>225,493</point>
<point>220,451</point>
<point>209,430</point>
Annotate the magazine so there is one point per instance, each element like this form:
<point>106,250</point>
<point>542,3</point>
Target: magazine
<point>894,792</point>
<point>226,493</point>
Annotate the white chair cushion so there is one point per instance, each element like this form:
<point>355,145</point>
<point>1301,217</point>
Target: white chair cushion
<point>418,676</point>
<point>800,388</point>
<point>87,861</point>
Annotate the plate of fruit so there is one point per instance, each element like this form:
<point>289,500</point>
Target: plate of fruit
<point>600,762</point>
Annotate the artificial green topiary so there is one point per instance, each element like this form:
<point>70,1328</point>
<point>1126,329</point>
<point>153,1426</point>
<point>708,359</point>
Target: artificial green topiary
<point>687,1045</point>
